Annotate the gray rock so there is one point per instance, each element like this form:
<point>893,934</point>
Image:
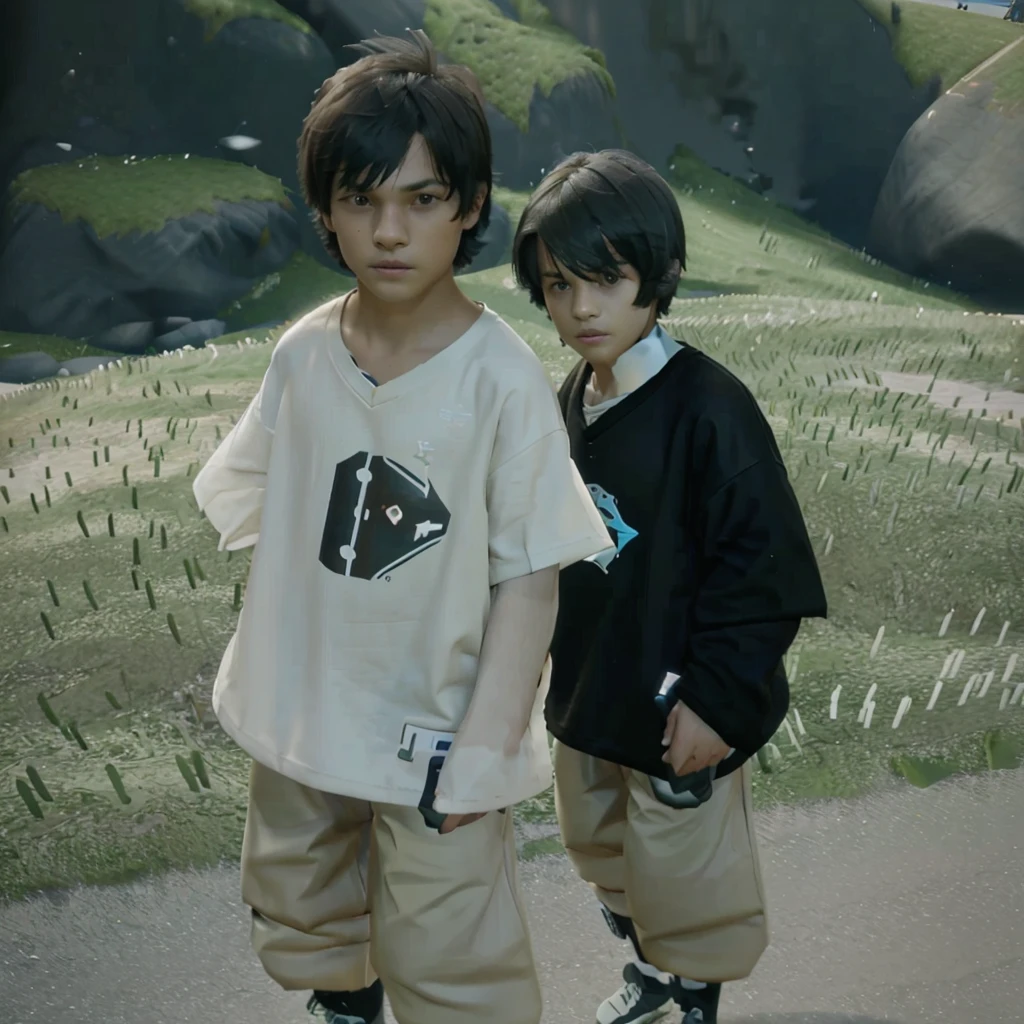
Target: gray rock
<point>60,278</point>
<point>171,323</point>
<point>952,206</point>
<point>26,367</point>
<point>578,115</point>
<point>341,22</point>
<point>129,339</point>
<point>86,364</point>
<point>497,241</point>
<point>195,333</point>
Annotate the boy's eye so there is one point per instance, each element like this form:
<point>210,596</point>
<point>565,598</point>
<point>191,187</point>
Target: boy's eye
<point>610,277</point>
<point>426,199</point>
<point>557,286</point>
<point>356,199</point>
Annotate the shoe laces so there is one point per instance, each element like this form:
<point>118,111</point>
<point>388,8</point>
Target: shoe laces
<point>626,998</point>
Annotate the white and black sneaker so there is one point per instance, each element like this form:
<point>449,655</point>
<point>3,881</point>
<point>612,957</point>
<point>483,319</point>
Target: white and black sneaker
<point>646,997</point>
<point>367,1006</point>
<point>642,998</point>
<point>699,1003</point>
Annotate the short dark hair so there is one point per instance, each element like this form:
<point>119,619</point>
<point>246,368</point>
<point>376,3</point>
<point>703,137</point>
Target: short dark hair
<point>364,117</point>
<point>593,200</point>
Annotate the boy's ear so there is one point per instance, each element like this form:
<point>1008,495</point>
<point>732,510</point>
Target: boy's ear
<point>327,222</point>
<point>473,214</point>
<point>669,280</point>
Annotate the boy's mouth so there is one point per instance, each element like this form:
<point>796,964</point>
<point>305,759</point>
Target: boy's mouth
<point>391,267</point>
<point>591,337</point>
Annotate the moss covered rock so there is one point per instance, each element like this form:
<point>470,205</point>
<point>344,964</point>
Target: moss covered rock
<point>107,241</point>
<point>548,94</point>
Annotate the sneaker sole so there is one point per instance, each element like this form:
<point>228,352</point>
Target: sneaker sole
<point>650,1018</point>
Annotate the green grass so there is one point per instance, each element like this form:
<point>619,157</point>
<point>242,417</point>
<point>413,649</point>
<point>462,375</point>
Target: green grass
<point>218,13</point>
<point>12,344</point>
<point>510,58</point>
<point>940,42</point>
<point>301,284</point>
<point>1006,76</point>
<point>740,241</point>
<point>513,202</point>
<point>907,504</point>
<point>118,195</point>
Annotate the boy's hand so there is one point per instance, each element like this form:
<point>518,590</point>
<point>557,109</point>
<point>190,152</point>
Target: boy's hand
<point>454,821</point>
<point>692,745</point>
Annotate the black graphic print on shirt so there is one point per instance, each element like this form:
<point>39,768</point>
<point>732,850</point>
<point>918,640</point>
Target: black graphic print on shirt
<point>379,516</point>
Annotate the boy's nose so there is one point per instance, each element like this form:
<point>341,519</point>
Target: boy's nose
<point>390,231</point>
<point>584,304</point>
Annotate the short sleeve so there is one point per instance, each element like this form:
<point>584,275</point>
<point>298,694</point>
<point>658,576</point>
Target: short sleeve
<point>231,485</point>
<point>540,513</point>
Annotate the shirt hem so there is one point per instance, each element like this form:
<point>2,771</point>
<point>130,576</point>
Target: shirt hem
<point>306,776</point>
<point>616,755</point>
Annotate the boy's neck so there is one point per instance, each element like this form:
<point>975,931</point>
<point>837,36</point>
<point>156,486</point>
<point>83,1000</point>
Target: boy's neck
<point>433,318</point>
<point>604,375</point>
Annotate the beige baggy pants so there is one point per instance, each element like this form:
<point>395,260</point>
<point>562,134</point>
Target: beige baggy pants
<point>343,891</point>
<point>690,879</point>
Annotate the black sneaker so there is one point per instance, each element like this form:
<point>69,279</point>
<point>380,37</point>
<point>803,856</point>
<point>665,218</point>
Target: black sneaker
<point>641,999</point>
<point>699,1005</point>
<point>328,1016</point>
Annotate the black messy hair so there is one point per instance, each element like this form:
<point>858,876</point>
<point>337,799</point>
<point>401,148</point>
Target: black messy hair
<point>591,201</point>
<point>364,117</point>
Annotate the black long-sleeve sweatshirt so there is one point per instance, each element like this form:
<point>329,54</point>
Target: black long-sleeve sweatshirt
<point>712,575</point>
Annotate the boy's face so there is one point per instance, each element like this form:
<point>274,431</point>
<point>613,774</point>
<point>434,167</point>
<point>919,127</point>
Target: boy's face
<point>596,319</point>
<point>401,237</point>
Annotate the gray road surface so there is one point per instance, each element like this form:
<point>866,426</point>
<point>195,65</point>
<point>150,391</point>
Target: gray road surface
<point>906,908</point>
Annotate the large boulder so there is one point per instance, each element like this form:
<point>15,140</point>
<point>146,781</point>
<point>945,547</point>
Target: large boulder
<point>72,264</point>
<point>952,206</point>
<point>802,95</point>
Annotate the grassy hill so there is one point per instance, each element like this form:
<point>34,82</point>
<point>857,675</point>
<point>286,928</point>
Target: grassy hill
<point>1006,75</point>
<point>117,605</point>
<point>940,42</point>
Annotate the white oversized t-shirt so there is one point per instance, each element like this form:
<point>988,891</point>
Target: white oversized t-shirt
<point>384,515</point>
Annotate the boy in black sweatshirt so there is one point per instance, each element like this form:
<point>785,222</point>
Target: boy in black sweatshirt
<point>668,649</point>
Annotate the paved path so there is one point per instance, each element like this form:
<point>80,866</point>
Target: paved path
<point>905,908</point>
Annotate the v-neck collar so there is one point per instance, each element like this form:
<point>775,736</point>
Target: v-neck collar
<point>374,395</point>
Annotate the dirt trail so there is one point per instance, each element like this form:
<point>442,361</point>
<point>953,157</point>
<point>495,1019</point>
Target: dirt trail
<point>906,908</point>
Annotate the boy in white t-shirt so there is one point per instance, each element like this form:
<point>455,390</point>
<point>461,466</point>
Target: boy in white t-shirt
<point>405,476</point>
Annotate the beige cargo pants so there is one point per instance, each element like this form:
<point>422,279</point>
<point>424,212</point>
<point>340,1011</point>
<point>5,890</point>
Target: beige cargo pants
<point>690,879</point>
<point>343,891</point>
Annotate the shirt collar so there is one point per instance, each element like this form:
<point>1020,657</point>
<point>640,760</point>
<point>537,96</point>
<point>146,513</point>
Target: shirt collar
<point>636,366</point>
